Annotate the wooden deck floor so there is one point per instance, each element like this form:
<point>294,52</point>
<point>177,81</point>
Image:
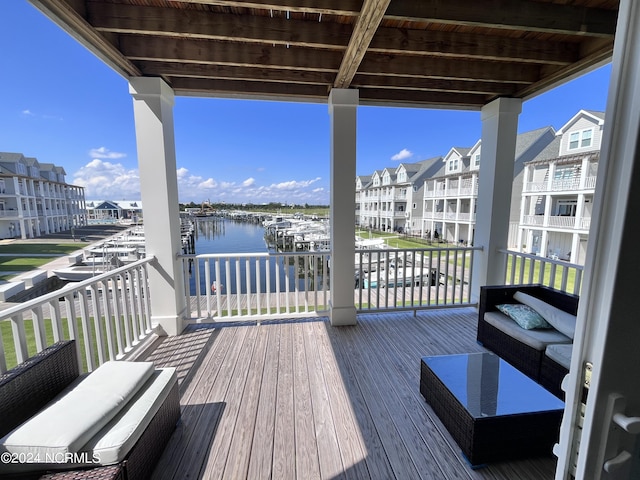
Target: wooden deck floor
<point>304,400</point>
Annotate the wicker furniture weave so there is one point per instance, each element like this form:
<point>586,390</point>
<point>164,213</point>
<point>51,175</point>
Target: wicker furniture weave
<point>493,411</point>
<point>551,376</point>
<point>29,386</point>
<point>525,358</point>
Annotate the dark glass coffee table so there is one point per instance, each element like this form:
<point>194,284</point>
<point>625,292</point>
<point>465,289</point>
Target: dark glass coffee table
<point>491,409</point>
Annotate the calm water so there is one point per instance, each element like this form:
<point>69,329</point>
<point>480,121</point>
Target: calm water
<point>228,236</point>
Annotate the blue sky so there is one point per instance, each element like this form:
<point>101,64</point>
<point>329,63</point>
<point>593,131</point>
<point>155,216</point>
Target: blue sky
<point>60,104</point>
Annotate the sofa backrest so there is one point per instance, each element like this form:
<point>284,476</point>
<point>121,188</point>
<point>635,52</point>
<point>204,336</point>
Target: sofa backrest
<point>28,387</point>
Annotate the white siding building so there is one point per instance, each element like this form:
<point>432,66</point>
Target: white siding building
<point>35,199</point>
<point>559,185</point>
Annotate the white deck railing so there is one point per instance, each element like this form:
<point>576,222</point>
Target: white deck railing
<point>108,316</point>
<point>524,268</point>
<point>259,286</point>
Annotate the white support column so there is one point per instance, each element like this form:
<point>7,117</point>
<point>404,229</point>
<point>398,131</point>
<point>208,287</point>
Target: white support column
<point>499,130</point>
<point>153,112</point>
<point>343,105</point>
<point>608,329</point>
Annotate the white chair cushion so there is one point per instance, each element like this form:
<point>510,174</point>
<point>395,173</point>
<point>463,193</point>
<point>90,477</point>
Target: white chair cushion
<point>112,444</point>
<point>560,354</point>
<point>75,416</point>
<point>560,320</point>
<point>536,339</point>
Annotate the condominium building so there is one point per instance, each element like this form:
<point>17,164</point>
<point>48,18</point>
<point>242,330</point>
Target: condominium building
<point>391,199</point>
<point>35,199</point>
<point>552,192</point>
<point>557,197</point>
<point>450,196</point>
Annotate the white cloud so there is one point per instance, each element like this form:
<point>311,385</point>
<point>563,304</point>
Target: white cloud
<point>402,154</point>
<point>111,180</point>
<point>104,152</point>
<point>27,112</point>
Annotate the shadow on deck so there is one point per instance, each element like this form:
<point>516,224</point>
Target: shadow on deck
<point>302,399</point>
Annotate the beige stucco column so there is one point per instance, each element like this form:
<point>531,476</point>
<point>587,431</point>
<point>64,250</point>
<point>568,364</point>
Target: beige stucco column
<point>343,105</point>
<point>499,130</point>
<point>153,111</point>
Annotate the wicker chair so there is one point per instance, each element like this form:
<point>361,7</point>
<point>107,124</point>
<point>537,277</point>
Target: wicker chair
<point>29,386</point>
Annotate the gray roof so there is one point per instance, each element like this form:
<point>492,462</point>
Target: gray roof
<point>595,113</point>
<point>526,139</point>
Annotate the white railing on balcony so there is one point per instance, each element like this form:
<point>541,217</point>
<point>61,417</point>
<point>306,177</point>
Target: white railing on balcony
<point>535,186</point>
<point>562,221</point>
<point>109,315</point>
<point>261,286</point>
<point>590,182</point>
<point>256,285</point>
<point>566,184</point>
<point>533,220</point>
<point>524,268</point>
<point>413,279</point>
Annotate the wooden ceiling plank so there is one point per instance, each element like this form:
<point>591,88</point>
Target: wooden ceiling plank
<point>326,7</point>
<point>370,17</point>
<point>209,51</point>
<point>378,64</point>
<point>469,45</point>
<point>555,78</point>
<point>436,84</point>
<point>528,15</point>
<point>256,88</point>
<point>160,21</point>
<point>418,98</point>
<point>194,70</point>
<point>70,21</point>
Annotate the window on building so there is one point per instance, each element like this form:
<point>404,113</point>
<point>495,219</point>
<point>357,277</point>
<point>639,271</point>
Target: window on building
<point>581,139</point>
<point>415,206</point>
<point>476,160</point>
<point>453,165</point>
<point>566,208</point>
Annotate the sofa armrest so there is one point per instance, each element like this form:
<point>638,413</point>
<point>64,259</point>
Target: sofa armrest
<point>28,387</point>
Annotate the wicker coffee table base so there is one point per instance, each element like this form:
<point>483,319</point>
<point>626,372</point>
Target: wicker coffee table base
<point>493,438</point>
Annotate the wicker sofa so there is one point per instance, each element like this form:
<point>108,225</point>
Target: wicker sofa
<point>542,355</point>
<point>142,424</point>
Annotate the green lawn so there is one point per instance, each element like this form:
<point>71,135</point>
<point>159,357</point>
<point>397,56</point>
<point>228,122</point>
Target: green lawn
<point>10,351</point>
<point>22,264</point>
<point>571,274</point>
<point>48,248</point>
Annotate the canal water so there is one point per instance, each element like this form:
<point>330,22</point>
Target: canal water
<point>223,235</point>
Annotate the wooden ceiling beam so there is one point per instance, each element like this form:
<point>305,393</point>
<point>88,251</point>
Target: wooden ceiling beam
<point>380,96</point>
<point>553,78</point>
<point>229,72</point>
<point>233,88</point>
<point>228,53</point>
<point>436,85</point>
<point>379,64</point>
<point>162,21</point>
<point>370,17</point>
<point>528,15</point>
<point>472,45</point>
<point>76,26</point>
<point>326,7</point>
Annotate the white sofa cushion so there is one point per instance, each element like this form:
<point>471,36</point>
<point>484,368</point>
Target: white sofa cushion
<point>560,320</point>
<point>112,444</point>
<point>560,354</point>
<point>76,415</point>
<point>537,339</point>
